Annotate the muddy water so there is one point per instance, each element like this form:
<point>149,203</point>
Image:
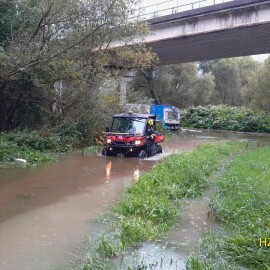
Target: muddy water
<point>45,212</point>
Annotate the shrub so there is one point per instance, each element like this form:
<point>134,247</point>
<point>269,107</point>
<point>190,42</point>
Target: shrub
<point>60,139</point>
<point>35,145</point>
<point>10,151</point>
<point>226,118</point>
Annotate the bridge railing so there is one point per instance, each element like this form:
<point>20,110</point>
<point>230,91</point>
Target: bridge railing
<point>170,7</point>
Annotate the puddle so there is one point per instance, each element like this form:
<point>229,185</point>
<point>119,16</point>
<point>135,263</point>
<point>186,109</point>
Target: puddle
<point>196,218</point>
<point>153,257</point>
<point>171,252</point>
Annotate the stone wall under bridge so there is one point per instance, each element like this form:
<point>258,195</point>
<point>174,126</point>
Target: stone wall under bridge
<point>137,108</point>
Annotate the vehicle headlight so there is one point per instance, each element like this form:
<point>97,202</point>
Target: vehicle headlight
<point>108,141</point>
<point>137,142</point>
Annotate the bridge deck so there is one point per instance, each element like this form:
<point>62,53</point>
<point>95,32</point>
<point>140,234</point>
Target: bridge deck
<point>236,28</point>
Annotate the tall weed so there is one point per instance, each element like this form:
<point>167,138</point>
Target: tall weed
<point>242,206</point>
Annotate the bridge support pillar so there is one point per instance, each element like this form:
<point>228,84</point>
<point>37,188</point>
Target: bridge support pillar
<point>123,81</point>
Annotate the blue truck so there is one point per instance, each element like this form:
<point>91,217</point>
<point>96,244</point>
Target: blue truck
<point>167,114</point>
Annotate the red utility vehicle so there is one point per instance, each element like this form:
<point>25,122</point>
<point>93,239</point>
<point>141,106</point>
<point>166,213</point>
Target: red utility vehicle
<point>133,134</point>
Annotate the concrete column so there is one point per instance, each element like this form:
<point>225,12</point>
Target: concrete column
<point>127,77</point>
<point>123,91</point>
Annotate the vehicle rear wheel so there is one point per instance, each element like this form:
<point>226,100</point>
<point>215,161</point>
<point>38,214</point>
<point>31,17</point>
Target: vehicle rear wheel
<point>158,149</point>
<point>142,154</point>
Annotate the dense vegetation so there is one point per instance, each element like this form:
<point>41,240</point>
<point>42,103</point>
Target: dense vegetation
<point>150,206</point>
<point>38,146</point>
<point>226,118</point>
<point>13,147</point>
<point>10,151</point>
<point>242,206</point>
<point>234,82</point>
<point>55,66</point>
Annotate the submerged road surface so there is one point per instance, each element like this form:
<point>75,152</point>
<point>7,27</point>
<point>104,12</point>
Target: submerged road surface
<point>46,211</point>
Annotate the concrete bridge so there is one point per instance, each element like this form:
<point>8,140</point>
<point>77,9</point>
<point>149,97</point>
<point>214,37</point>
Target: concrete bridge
<point>230,29</point>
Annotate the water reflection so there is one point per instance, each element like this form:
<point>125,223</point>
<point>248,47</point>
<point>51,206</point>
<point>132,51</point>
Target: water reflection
<point>136,173</point>
<point>108,170</point>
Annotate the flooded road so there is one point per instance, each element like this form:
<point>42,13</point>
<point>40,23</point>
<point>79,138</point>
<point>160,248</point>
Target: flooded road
<point>46,211</point>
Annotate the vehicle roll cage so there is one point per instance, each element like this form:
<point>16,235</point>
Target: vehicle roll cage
<point>132,116</point>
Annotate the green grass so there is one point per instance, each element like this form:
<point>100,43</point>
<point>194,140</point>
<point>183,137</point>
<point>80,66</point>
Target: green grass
<point>243,206</point>
<point>210,257</point>
<point>92,149</point>
<point>153,202</point>
<point>149,207</point>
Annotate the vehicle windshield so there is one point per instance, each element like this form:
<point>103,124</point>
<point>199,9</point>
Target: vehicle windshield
<point>128,125</point>
<point>172,116</point>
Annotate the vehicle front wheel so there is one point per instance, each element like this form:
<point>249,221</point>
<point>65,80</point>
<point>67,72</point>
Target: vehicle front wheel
<point>106,152</point>
<point>142,154</point>
<point>158,149</point>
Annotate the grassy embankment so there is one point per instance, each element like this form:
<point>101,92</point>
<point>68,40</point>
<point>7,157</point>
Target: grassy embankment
<point>10,150</point>
<point>242,205</point>
<point>150,206</point>
<point>35,146</point>
<point>39,146</point>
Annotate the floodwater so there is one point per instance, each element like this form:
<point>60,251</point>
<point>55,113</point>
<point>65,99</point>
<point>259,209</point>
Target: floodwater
<point>46,211</point>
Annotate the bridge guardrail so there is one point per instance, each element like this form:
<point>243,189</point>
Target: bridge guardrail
<point>170,7</point>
